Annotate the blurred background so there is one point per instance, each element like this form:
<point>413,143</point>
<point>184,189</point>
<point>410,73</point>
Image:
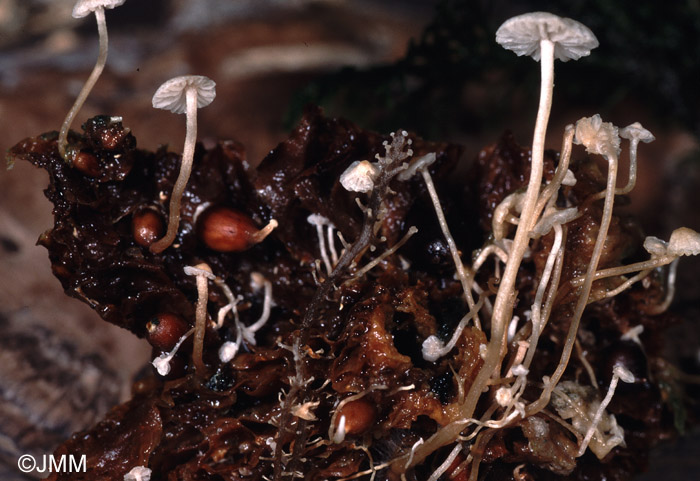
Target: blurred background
<point>424,65</point>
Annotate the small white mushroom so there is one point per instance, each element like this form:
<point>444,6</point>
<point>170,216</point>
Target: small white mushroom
<point>82,9</point>
<point>634,133</point>
<point>359,176</point>
<point>162,362</point>
<point>182,95</point>
<point>598,137</point>
<point>139,473</point>
<point>684,242</point>
<point>203,274</point>
<point>320,221</point>
<point>543,36</point>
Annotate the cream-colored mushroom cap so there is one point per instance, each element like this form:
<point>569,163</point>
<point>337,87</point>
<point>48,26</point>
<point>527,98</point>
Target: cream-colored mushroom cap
<point>684,242</point>
<point>522,35</point>
<point>359,176</point>
<point>598,137</point>
<point>636,131</point>
<point>83,8</point>
<point>172,94</point>
<point>418,164</point>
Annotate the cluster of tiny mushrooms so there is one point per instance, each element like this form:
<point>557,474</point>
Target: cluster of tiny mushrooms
<point>544,37</point>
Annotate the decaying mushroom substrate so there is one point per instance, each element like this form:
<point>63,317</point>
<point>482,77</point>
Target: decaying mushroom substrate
<point>356,340</point>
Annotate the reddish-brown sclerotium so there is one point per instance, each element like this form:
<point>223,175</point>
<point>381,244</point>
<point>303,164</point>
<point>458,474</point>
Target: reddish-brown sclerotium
<point>224,229</point>
<point>147,226</point>
<point>359,416</point>
<point>164,330</point>
<point>87,164</point>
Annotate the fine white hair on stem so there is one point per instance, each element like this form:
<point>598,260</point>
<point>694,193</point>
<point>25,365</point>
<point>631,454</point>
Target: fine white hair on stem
<point>182,95</point>
<point>619,373</point>
<point>83,8</point>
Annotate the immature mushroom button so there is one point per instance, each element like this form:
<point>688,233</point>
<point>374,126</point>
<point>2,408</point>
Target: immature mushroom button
<point>82,9</point>
<point>182,95</point>
<point>634,133</point>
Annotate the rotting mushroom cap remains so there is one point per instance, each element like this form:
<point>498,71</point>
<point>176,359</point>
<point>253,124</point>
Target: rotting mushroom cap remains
<point>523,34</point>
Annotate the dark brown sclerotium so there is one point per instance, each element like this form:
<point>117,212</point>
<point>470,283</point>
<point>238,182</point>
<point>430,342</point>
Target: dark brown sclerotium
<point>147,226</point>
<point>164,330</point>
<point>224,229</point>
<point>87,164</point>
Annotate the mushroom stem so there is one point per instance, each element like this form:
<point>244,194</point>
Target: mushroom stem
<point>184,175</point>
<point>465,277</point>
<point>585,289</point>
<point>634,143</point>
<point>89,84</point>
<point>201,322</point>
<point>260,235</point>
<point>505,298</point>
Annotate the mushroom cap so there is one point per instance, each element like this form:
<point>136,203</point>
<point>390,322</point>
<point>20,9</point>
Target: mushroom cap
<point>655,246</point>
<point>684,242</point>
<point>83,8</point>
<point>172,95</point>
<point>598,137</point>
<point>359,176</point>
<point>636,131</point>
<point>523,34</point>
<point>418,164</point>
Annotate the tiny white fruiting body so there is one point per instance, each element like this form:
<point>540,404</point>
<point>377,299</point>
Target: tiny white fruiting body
<point>184,94</point>
<point>522,34</point>
<point>139,473</point>
<point>359,176</point>
<point>83,8</point>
